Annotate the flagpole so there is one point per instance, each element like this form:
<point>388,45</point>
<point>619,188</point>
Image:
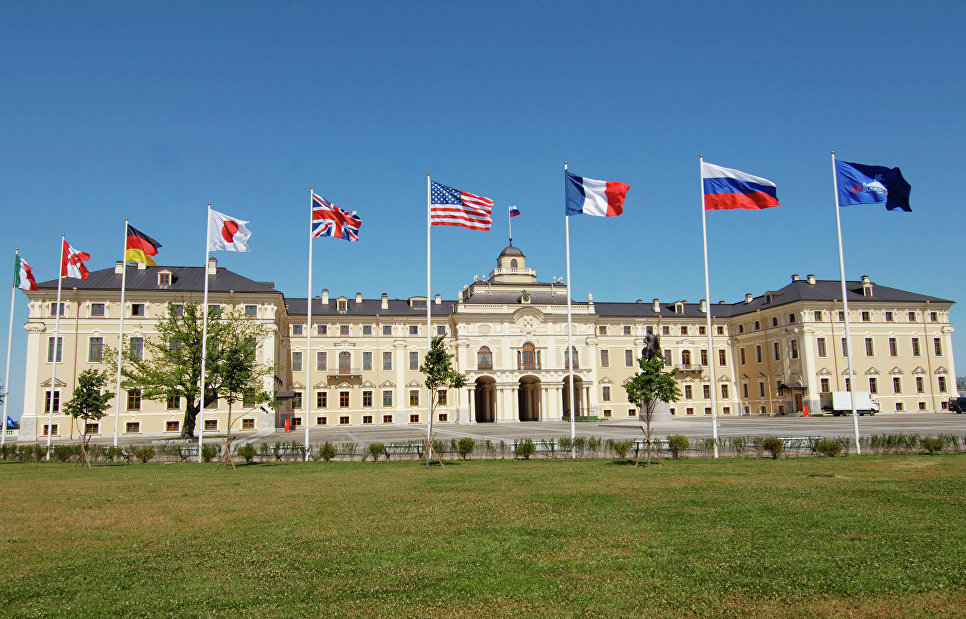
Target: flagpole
<point>845,307</point>
<point>53,368</point>
<point>707,304</point>
<point>204,338</point>
<point>570,334</point>
<point>6,376</point>
<point>509,225</point>
<point>120,336</point>
<point>429,321</point>
<point>308,337</point>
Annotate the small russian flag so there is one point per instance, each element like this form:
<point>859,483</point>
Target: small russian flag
<point>514,211</point>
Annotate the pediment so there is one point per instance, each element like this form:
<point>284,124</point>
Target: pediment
<point>368,384</point>
<point>941,370</point>
<point>58,383</point>
<point>388,385</point>
<point>872,372</point>
<point>919,371</point>
<point>896,371</point>
<point>414,383</point>
<point>296,385</point>
<point>824,372</point>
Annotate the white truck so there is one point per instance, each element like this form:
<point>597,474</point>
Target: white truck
<point>840,403</point>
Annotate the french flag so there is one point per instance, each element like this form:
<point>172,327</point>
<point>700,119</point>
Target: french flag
<point>592,197</point>
<point>726,189</point>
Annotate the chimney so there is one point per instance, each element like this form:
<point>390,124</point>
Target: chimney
<point>795,277</point>
<point>385,301</point>
<point>811,279</point>
<point>142,266</point>
<point>657,306</point>
<point>865,279</point>
<point>358,297</point>
<point>118,267</point>
<point>325,296</point>
<point>748,297</point>
<point>438,300</point>
<point>704,306</point>
<point>212,266</point>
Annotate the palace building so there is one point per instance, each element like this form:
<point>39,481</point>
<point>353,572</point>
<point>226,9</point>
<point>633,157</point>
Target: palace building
<point>773,353</point>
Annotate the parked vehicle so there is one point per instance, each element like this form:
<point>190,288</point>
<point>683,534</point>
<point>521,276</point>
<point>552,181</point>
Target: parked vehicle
<point>840,403</point>
<point>957,404</point>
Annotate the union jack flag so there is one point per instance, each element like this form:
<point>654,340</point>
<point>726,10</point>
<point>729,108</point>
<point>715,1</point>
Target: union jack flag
<point>330,220</point>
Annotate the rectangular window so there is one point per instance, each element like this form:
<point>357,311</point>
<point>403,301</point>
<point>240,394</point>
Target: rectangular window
<point>684,330</point>
<point>441,397</point>
<point>722,357</point>
<point>323,329</point>
<point>367,329</point>
<point>172,426</point>
<point>296,422</point>
<point>132,427</point>
<point>706,391</point>
<point>321,399</point>
<point>912,317</point>
<point>933,316</point>
<point>367,420</point>
<point>440,330</point>
<point>602,330</point>
<point>741,355</point>
<point>248,424</point>
<point>761,390</point>
<point>701,331</point>
<point>629,358</point>
<point>164,279</point>
<point>413,360</point>
<point>342,306</point>
<point>942,384</point>
<point>889,317</point>
<point>724,391</point>
<point>774,321</point>
<point>627,330</point>
<point>367,398</point>
<point>414,397</point>
<point>176,309</point>
<point>137,348</point>
<point>689,411</point>
<point>757,325</point>
<point>387,397</point>
<point>825,387</point>
<point>866,316</point>
<point>869,349</point>
<point>704,357</point>
<point>50,349</point>
<point>896,384</point>
<point>321,361</point>
<point>343,399</point>
<point>758,354</point>
<point>387,418</point>
<point>366,360</point>
<point>296,361</point>
<point>818,315</point>
<point>873,385</point>
<point>344,420</point>
<point>794,348</point>
<point>297,400</point>
<point>841,316</point>
<point>95,350</point>
<point>387,360</point>
<point>413,330</point>
<point>920,385</point>
<point>414,418</point>
<point>343,329</point>
<point>387,329</point>
<point>820,342</point>
<point>97,309</point>
<point>296,329</point>
<point>720,330</point>
<point>938,345</point>
<point>665,330</point>
<point>667,357</point>
<point>174,402</point>
<point>53,309</point>
<point>211,424</point>
<point>744,390</point>
<point>899,406</point>
<point>56,401</point>
<point>688,392</point>
<point>893,347</point>
<point>848,384</point>
<point>134,400</point>
<point>778,351</point>
<point>605,393</point>
<point>604,358</point>
<point>321,421</point>
<point>922,406</point>
<point>251,311</point>
<point>608,412</point>
<point>915,347</point>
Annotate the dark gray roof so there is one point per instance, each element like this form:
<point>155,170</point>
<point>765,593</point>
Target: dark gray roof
<point>368,307</point>
<point>541,296</point>
<point>510,250</point>
<point>183,279</point>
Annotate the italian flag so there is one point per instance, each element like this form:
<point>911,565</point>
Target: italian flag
<point>23,276</point>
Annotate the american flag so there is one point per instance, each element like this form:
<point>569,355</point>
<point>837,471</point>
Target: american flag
<point>452,207</point>
<point>330,220</point>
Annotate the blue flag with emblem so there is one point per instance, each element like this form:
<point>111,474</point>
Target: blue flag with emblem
<point>872,184</point>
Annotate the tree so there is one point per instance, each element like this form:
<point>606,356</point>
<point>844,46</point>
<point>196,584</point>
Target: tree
<point>170,364</point>
<point>650,385</point>
<point>438,369</point>
<point>88,403</point>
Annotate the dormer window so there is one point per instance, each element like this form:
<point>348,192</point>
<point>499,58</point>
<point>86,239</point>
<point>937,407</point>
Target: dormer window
<point>767,298</point>
<point>164,278</point>
<point>417,303</point>
<point>342,305</point>
<point>679,308</point>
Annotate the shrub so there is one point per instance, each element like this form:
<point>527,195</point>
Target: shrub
<point>248,452</point>
<point>113,453</point>
<point>348,449</point>
<point>677,443</point>
<point>594,443</point>
<point>328,451</point>
<point>737,444</point>
<point>525,449</point>
<point>209,451</point>
<point>708,445</point>
<point>828,447</point>
<point>144,453</point>
<point>565,444</point>
<point>621,448</point>
<point>439,447</point>
<point>773,445</point>
<point>376,450</point>
<point>464,447</point>
<point>62,453</point>
<point>580,445</point>
<point>931,444</point>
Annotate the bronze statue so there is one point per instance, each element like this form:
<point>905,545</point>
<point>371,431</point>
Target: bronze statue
<point>652,346</point>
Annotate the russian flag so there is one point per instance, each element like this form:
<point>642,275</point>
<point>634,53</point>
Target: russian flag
<point>592,197</point>
<point>514,211</point>
<point>726,189</point>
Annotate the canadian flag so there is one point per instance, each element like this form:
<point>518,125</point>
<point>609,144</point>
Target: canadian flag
<point>72,262</point>
<point>226,233</point>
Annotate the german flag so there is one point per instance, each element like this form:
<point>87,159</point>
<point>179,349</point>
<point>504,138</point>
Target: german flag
<point>140,247</point>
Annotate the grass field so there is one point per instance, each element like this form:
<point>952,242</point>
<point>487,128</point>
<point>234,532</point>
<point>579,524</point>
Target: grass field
<point>871,536</point>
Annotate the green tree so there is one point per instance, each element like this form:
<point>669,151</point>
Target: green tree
<point>649,386</point>
<point>438,369</point>
<point>88,403</point>
<point>170,365</point>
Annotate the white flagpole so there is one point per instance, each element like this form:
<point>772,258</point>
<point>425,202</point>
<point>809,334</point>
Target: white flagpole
<point>204,339</point>
<point>509,224</point>
<point>120,337</point>
<point>308,338</point>
<point>6,376</point>
<point>429,305</point>
<point>570,332</point>
<point>845,307</point>
<point>53,365</point>
<point>707,305</point>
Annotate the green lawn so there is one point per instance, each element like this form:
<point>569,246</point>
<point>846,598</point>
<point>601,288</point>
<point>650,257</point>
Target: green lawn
<point>870,536</point>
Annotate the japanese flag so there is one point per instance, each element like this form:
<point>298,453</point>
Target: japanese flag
<point>226,233</point>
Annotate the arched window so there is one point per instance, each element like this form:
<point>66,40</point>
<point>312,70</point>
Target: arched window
<point>573,355</point>
<point>484,359</point>
<point>527,357</point>
<point>513,263</point>
<point>345,362</point>
<point>686,358</point>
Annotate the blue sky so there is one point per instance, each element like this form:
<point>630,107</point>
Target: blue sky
<point>150,111</point>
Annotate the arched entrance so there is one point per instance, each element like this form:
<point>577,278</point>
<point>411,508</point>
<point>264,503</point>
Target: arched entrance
<point>528,399</point>
<point>484,400</point>
<point>578,389</point>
